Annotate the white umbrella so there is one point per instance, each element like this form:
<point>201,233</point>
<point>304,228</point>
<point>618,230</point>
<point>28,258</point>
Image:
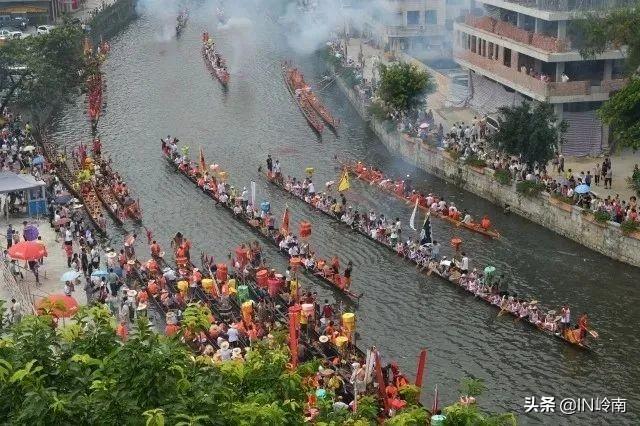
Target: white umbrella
<point>28,148</point>
<point>69,276</point>
<point>424,126</point>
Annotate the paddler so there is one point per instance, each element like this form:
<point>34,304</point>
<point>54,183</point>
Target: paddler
<point>485,222</point>
<point>347,275</point>
<point>583,323</point>
<point>155,249</point>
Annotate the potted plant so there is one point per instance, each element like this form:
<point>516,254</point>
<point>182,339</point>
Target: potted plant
<point>630,228</point>
<point>502,176</point>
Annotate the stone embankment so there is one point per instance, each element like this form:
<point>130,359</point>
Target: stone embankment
<point>568,220</point>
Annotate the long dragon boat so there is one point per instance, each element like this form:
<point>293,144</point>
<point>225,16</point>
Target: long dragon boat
<point>129,207</point>
<point>303,103</point>
<point>392,188</point>
<point>454,279</point>
<point>84,193</point>
<point>181,22</point>
<point>333,280</point>
<point>214,61</point>
<point>296,82</point>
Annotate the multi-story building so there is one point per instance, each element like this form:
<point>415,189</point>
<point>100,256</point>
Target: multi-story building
<point>406,24</point>
<point>529,49</point>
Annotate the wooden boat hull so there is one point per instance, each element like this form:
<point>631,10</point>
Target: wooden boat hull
<point>382,243</point>
<point>352,296</point>
<point>221,75</point>
<point>308,112</point>
<point>477,229</point>
<point>105,197</point>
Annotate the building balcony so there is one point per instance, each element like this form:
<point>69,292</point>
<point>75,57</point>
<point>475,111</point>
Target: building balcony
<point>544,91</point>
<point>535,45</point>
<point>414,30</point>
<point>558,10</point>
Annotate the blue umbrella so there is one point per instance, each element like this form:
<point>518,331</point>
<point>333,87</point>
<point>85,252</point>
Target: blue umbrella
<point>99,273</point>
<point>38,159</point>
<point>582,189</point>
<point>69,276</point>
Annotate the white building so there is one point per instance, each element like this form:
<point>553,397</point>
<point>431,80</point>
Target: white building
<point>526,49</point>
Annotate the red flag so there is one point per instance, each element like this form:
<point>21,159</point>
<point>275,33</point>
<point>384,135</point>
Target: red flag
<point>284,228</point>
<point>201,164</point>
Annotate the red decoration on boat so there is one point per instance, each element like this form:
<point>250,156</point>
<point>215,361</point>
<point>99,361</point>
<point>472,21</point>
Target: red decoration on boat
<point>305,229</point>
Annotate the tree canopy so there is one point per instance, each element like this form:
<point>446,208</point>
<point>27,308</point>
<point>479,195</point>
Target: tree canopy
<point>82,374</point>
<point>529,130</point>
<point>622,113</point>
<point>51,67</point>
<point>618,28</point>
<point>403,85</point>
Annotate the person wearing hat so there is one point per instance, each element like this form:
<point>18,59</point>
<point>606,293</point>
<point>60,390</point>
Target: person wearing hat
<point>225,352</point>
<point>565,321</point>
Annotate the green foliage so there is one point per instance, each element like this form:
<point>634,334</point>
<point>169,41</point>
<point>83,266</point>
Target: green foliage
<point>615,29</point>
<point>471,386</point>
<point>410,394</point>
<point>474,161</point>
<point>503,176</point>
<point>454,153</point>
<point>54,66</point>
<point>601,216</point>
<point>195,318</point>
<point>378,110</point>
<point>530,188</point>
<point>629,226</point>
<point>52,377</point>
<point>562,198</point>
<point>409,417</point>
<point>470,415</point>
<point>634,183</point>
<point>622,113</point>
<point>403,85</point>
<point>529,130</point>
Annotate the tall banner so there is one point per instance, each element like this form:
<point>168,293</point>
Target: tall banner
<point>253,194</point>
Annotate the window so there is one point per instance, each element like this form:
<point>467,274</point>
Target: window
<point>431,17</point>
<point>413,17</point>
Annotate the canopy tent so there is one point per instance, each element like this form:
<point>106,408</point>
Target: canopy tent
<point>10,182</point>
<point>36,199</point>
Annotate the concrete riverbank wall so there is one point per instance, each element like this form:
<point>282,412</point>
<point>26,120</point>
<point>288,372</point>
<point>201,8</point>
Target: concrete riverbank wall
<point>565,219</point>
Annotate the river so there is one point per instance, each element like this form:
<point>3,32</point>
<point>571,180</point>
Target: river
<point>155,88</point>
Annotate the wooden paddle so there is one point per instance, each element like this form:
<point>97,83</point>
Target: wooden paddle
<point>594,334</point>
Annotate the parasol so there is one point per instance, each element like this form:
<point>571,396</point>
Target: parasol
<point>28,148</point>
<point>57,305</point>
<point>63,199</point>
<point>582,189</point>
<point>69,276</point>
<point>27,250</point>
<point>31,232</point>
<point>424,126</point>
<point>37,160</point>
<point>62,221</point>
<point>99,273</point>
<point>489,269</point>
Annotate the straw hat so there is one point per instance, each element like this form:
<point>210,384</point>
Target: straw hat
<point>142,306</point>
<point>323,339</point>
<point>236,351</point>
<point>111,254</point>
<point>131,262</point>
<point>132,293</point>
<point>533,302</point>
<point>327,372</point>
<point>224,345</point>
<point>552,312</point>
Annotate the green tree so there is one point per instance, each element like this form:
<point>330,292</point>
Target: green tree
<point>49,69</point>
<point>403,86</point>
<point>622,113</point>
<point>598,33</point>
<point>529,130</point>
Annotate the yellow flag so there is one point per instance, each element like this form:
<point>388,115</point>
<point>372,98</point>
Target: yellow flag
<point>344,182</point>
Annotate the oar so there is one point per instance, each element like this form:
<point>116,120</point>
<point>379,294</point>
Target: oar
<point>594,334</point>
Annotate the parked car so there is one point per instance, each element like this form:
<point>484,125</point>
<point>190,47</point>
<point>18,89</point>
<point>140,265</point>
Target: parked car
<point>6,34</point>
<point>44,29</point>
<point>19,23</point>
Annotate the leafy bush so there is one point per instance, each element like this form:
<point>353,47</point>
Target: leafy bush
<point>601,216</point>
<point>634,183</point>
<point>563,198</point>
<point>474,161</point>
<point>503,176</point>
<point>629,226</point>
<point>530,188</point>
<point>453,153</point>
<point>378,110</point>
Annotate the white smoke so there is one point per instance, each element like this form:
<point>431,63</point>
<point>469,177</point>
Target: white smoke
<point>165,12</point>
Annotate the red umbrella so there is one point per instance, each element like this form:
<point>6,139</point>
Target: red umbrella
<point>27,250</point>
<point>58,306</point>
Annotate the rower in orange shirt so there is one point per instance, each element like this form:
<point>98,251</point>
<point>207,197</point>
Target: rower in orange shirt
<point>155,249</point>
<point>485,222</point>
